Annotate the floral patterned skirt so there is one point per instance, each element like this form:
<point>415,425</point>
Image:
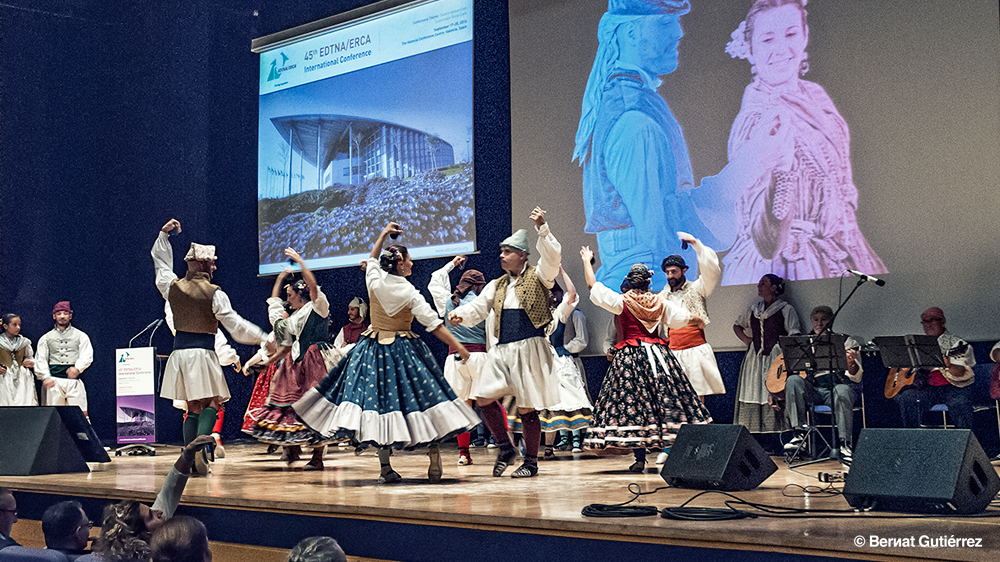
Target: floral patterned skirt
<point>389,394</point>
<point>644,400</point>
<point>258,399</point>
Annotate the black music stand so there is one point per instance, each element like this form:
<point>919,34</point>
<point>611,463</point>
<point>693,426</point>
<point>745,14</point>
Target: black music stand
<point>815,353</point>
<point>909,351</point>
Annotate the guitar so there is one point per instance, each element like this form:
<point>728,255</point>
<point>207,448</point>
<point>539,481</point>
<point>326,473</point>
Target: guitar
<point>899,378</point>
<point>777,376</point>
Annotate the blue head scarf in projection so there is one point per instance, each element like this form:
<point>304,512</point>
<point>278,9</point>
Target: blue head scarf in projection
<point>619,12</point>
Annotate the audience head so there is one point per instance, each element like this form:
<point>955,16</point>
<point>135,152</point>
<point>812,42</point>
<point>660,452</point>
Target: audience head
<point>66,526</point>
<point>125,530</point>
<point>181,539</point>
<point>8,511</point>
<point>317,549</point>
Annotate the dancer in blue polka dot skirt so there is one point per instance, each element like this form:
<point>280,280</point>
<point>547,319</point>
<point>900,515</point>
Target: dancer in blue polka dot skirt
<point>389,391</point>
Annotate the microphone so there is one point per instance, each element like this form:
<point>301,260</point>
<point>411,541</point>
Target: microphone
<point>866,277</point>
<point>151,324</point>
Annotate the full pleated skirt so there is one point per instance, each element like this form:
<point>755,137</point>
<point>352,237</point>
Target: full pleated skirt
<point>277,422</point>
<point>387,394</point>
<point>644,400</point>
<point>573,411</point>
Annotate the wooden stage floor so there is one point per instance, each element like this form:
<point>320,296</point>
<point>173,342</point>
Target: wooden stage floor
<point>253,498</point>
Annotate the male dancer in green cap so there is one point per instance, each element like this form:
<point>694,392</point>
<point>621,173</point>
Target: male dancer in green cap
<point>520,364</point>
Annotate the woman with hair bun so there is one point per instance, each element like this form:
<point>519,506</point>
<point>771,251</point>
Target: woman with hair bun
<point>389,391</point>
<point>304,338</point>
<point>645,397</point>
<point>768,318</point>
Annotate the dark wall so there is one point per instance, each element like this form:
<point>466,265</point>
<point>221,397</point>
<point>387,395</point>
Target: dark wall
<point>116,116</point>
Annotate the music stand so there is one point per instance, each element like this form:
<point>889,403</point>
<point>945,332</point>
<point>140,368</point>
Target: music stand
<point>909,351</point>
<point>815,353</point>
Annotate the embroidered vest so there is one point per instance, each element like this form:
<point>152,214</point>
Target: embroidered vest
<point>316,330</point>
<point>191,301</point>
<point>533,296</point>
<point>64,347</point>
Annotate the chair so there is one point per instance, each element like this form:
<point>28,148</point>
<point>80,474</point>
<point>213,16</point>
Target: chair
<point>823,409</point>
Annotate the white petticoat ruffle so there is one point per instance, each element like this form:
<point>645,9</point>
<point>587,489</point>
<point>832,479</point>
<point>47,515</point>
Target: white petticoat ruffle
<point>369,426</point>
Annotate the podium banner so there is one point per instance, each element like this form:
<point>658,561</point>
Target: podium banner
<point>136,407</point>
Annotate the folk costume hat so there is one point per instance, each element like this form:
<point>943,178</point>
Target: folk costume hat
<point>359,303</point>
<point>518,241</point>
<point>62,306</point>
<point>200,252</point>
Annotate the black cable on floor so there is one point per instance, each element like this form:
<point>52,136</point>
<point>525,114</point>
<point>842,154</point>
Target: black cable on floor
<point>620,509</point>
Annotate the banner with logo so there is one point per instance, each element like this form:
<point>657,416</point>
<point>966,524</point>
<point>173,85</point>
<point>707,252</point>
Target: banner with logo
<point>136,406</point>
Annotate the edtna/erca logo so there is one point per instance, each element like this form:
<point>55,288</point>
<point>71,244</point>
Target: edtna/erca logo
<point>276,71</point>
<point>123,357</point>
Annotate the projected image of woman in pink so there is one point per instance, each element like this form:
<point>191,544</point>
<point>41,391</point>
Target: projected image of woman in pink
<point>797,200</point>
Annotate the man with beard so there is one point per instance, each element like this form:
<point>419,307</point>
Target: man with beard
<point>688,343</point>
<point>193,372</point>
<point>357,316</point>
<point>63,354</point>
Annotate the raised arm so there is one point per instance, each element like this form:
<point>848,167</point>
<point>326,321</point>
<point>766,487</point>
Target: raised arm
<point>279,283</point>
<point>307,275</point>
<point>391,228</point>
<point>709,270</point>
<point>570,288</point>
<point>588,267</point>
<point>163,257</point>
<point>549,249</point>
<point>440,284</point>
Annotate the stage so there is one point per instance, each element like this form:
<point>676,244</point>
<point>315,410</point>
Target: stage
<point>254,499</point>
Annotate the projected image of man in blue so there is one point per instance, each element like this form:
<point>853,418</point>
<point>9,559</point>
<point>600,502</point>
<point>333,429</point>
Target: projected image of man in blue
<point>794,192</point>
<point>636,169</point>
<point>391,142</point>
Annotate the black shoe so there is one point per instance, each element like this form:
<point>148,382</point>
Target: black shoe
<point>503,461</point>
<point>526,470</point>
<point>638,467</point>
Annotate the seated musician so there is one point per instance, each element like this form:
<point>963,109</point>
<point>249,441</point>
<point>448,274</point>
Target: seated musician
<point>822,387</point>
<point>951,386</point>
